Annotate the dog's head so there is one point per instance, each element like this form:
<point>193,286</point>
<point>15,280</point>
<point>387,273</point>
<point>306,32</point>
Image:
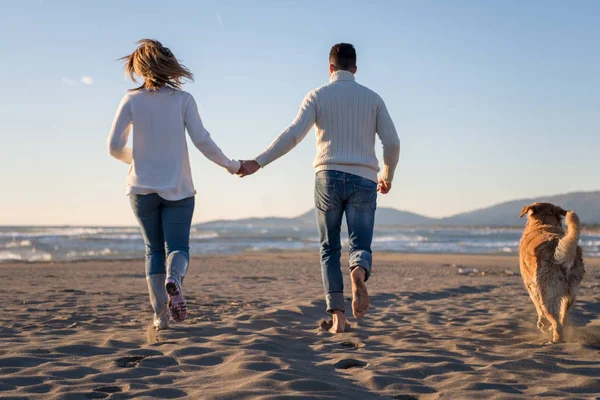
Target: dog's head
<point>546,213</point>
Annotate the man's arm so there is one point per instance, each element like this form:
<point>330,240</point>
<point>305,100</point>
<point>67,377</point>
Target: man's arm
<point>294,133</point>
<point>391,143</point>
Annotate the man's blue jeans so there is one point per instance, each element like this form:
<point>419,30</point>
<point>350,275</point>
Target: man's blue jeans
<point>337,193</point>
<point>165,227</point>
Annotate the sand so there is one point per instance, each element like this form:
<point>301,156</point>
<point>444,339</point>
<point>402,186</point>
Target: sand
<point>80,330</point>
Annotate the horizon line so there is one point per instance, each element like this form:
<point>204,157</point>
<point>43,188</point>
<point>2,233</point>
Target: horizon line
<point>299,215</point>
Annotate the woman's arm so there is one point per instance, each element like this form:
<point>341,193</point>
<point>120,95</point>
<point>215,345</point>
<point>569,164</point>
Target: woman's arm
<point>202,140</point>
<point>119,133</point>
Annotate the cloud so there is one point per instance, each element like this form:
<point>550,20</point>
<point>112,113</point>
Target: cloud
<point>220,20</point>
<point>87,80</point>
<point>67,81</point>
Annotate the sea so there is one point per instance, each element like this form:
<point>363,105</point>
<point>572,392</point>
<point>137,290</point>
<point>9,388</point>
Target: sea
<point>60,244</point>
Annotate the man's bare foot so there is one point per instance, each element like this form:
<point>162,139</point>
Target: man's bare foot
<point>339,322</point>
<point>360,295</point>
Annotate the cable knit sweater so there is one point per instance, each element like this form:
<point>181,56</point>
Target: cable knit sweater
<point>347,116</point>
<point>159,156</point>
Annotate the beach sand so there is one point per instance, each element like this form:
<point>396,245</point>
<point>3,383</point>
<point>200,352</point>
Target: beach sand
<point>81,330</point>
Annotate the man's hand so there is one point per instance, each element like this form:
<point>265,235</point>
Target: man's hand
<point>248,168</point>
<point>384,187</point>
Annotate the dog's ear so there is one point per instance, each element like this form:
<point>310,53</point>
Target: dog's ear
<point>526,209</point>
<point>559,212</point>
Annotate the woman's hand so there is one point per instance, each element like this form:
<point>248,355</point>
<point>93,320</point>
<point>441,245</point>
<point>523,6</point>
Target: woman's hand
<point>248,168</point>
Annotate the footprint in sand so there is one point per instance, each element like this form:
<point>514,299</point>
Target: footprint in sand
<point>95,395</point>
<point>348,363</point>
<point>351,344</point>
<point>129,362</point>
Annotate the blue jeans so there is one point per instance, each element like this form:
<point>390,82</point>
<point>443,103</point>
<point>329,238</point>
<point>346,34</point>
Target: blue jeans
<point>165,227</point>
<point>335,193</point>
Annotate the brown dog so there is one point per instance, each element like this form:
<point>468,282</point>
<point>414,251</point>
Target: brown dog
<point>551,264</point>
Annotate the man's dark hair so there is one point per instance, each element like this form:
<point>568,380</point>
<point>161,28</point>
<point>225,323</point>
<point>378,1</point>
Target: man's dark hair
<point>343,56</point>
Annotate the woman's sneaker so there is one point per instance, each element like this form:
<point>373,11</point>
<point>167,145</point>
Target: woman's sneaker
<point>161,323</point>
<point>176,301</point>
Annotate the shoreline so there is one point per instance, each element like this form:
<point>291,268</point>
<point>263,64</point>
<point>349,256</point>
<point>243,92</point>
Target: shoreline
<point>251,253</point>
<point>8,263</point>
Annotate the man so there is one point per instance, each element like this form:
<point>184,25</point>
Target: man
<point>347,116</point>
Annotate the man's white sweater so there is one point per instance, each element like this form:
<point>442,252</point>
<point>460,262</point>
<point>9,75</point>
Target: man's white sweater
<point>347,116</point>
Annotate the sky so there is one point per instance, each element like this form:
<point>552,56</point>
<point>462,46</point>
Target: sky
<point>492,100</point>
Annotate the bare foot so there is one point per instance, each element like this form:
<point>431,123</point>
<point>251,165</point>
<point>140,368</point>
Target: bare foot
<point>339,322</point>
<point>360,296</point>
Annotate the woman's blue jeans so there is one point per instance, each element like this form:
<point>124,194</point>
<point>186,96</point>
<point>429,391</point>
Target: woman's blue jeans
<point>337,193</point>
<point>165,227</point>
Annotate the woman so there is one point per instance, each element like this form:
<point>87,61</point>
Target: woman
<point>159,182</point>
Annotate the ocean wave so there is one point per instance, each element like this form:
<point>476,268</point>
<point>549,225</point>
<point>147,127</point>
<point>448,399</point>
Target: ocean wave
<point>40,257</point>
<point>90,253</point>
<point>493,231</point>
<point>400,238</point>
<point>502,244</point>
<point>9,256</point>
<point>287,245</point>
<point>67,231</point>
<point>590,243</point>
<point>115,236</point>
<point>20,243</point>
<point>31,256</point>
<point>204,236</point>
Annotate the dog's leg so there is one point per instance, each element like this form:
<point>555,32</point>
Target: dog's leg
<point>565,305</point>
<point>568,300</point>
<point>551,309</point>
<point>574,278</point>
<point>536,299</point>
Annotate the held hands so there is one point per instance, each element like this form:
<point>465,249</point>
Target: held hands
<point>248,168</point>
<point>384,187</point>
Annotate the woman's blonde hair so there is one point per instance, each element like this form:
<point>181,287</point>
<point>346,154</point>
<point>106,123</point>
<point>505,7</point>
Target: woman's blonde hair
<point>156,65</point>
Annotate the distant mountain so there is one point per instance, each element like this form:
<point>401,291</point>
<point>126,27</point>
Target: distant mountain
<point>384,216</point>
<point>586,204</point>
<point>268,222</point>
<point>391,216</point>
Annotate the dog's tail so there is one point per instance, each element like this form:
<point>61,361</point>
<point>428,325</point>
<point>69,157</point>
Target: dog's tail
<point>566,251</point>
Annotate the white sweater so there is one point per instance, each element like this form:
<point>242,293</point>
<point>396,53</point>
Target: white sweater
<point>347,116</point>
<point>159,156</point>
